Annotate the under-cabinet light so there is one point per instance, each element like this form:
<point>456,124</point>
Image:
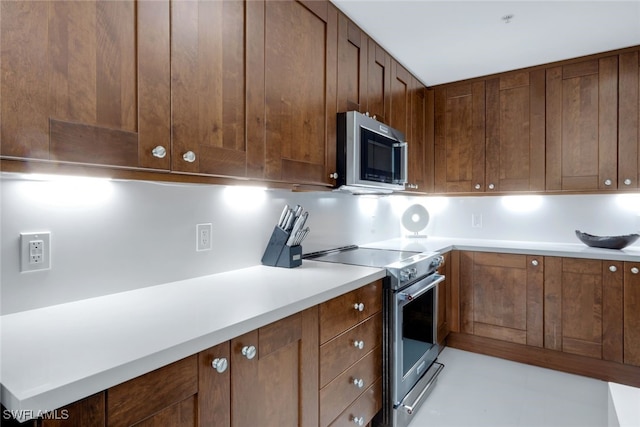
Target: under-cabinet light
<point>522,203</point>
<point>245,198</point>
<point>64,191</point>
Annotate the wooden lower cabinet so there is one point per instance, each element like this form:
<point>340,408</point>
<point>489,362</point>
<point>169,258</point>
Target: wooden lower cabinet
<point>501,296</point>
<point>271,376</point>
<point>351,357</point>
<point>631,310</point>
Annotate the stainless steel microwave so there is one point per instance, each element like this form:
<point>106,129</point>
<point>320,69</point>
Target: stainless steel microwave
<point>371,156</point>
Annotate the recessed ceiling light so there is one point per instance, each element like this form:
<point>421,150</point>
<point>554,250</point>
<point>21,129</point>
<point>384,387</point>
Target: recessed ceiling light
<point>507,18</point>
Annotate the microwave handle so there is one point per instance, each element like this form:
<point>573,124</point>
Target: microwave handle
<point>404,152</point>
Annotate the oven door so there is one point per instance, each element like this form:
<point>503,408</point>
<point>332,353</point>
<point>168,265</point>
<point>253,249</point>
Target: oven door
<point>415,333</point>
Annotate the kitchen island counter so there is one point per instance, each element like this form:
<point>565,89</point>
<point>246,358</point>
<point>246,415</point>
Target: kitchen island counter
<point>53,356</point>
<point>446,244</point>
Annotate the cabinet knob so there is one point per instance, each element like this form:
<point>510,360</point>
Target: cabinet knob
<point>477,186</point>
<point>220,364</point>
<point>159,152</point>
<point>249,351</point>
<point>189,156</point>
<point>358,306</point>
<point>634,270</point>
<point>358,344</point>
<point>358,382</point>
<point>491,186</point>
<point>607,182</point>
<point>613,268</point>
<point>535,262</point>
<point>333,175</point>
<point>359,421</point>
<point>627,181</point>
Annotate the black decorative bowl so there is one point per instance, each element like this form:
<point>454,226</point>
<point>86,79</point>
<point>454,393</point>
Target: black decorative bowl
<point>607,242</point>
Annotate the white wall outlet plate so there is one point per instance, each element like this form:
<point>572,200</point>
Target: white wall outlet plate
<point>203,237</point>
<point>35,251</point>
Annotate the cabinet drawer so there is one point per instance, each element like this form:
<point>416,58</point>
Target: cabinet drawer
<point>339,393</point>
<point>366,406</point>
<point>141,397</point>
<point>340,353</point>
<point>343,312</point>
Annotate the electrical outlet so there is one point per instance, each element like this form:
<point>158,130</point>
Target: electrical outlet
<point>476,220</point>
<point>203,237</point>
<point>35,251</point>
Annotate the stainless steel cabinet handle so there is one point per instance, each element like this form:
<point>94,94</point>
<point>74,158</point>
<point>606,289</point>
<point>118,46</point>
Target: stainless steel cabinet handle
<point>477,186</point>
<point>607,182</point>
<point>358,382</point>
<point>627,181</point>
<point>491,186</point>
<point>358,306</point>
<point>358,344</point>
<point>189,156</point>
<point>333,175</point>
<point>220,364</point>
<point>613,268</point>
<point>634,270</point>
<point>159,152</point>
<point>249,351</point>
<point>535,262</point>
<point>358,421</point>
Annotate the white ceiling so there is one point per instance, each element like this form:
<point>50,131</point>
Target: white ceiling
<point>446,41</point>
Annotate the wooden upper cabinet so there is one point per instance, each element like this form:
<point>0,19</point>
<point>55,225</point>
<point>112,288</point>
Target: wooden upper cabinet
<point>629,121</point>
<point>501,296</point>
<point>378,82</point>
<point>420,144</point>
<point>352,66</point>
<point>460,138</point>
<point>582,123</point>
<point>583,307</point>
<point>208,72</point>
<point>515,132</point>
<point>299,86</point>
<point>86,81</point>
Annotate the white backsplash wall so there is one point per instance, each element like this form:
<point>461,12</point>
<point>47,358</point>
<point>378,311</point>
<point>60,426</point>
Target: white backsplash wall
<point>113,236</point>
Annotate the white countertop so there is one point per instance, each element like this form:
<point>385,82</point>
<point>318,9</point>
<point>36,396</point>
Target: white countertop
<point>56,355</point>
<point>446,244</point>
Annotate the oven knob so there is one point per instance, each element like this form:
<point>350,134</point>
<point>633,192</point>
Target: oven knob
<point>437,262</point>
<point>413,273</point>
<point>404,275</point>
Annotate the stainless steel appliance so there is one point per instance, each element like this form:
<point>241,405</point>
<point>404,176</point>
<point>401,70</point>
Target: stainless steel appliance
<point>410,347</point>
<point>371,156</point>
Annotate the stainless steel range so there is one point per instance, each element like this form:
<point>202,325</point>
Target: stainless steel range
<point>410,347</point>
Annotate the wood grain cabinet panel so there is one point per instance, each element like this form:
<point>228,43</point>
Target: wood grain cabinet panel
<point>378,82</point>
<point>365,407</point>
<point>352,66</point>
<point>629,121</point>
<point>420,142</point>
<point>460,138</point>
<point>582,125</point>
<point>214,387</point>
<point>583,307</point>
<point>209,69</point>
<point>86,81</point>
<point>502,296</point>
<point>631,314</point>
<point>300,43</point>
<point>88,412</point>
<point>515,132</point>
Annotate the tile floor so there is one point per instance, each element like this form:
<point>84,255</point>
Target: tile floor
<point>481,391</point>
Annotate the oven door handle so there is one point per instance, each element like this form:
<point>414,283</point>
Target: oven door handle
<point>409,296</point>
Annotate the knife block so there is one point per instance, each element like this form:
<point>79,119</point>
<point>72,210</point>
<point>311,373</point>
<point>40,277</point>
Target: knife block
<point>278,254</point>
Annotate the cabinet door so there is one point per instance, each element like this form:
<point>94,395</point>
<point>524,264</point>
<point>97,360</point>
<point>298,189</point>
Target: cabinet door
<point>352,66</point>
<point>378,82</point>
<point>515,132</point>
<point>208,71</point>
<point>501,296</point>
<point>86,81</point>
<point>631,314</point>
<point>582,122</point>
<point>444,300</point>
<point>279,385</point>
<point>300,42</point>
<point>629,121</point>
<point>214,386</point>
<point>88,412</point>
<point>460,138</point>
<point>166,396</point>
<point>583,307</point>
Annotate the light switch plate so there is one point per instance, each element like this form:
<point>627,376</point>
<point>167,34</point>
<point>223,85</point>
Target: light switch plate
<point>35,251</point>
